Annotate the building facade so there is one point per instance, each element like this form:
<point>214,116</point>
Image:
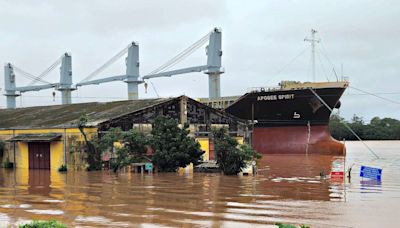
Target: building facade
<point>48,137</point>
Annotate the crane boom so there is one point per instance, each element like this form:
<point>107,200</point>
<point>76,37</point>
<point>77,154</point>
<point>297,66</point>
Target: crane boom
<point>176,72</point>
<point>102,80</point>
<point>24,89</point>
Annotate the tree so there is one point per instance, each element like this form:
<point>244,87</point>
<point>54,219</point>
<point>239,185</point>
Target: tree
<point>337,127</point>
<point>377,129</point>
<point>173,148</point>
<point>93,155</point>
<point>230,157</point>
<point>2,145</point>
<point>133,146</point>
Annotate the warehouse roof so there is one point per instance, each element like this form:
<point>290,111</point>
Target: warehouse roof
<point>64,116</point>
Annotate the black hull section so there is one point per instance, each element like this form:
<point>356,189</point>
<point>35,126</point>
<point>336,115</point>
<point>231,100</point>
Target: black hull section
<point>297,107</point>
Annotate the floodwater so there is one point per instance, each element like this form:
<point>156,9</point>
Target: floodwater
<point>287,189</point>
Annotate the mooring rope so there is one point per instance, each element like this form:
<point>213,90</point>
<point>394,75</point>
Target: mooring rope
<point>344,123</point>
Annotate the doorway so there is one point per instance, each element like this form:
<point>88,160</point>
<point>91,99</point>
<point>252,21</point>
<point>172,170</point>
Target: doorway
<point>39,155</point>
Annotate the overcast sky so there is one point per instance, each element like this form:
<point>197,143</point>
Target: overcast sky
<point>259,39</point>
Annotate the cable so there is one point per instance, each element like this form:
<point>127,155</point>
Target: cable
<point>155,90</point>
<point>324,53</point>
<point>182,55</point>
<point>322,64</point>
<point>372,94</point>
<point>106,64</point>
<point>344,123</point>
<point>47,71</point>
<point>288,64</point>
<point>28,75</point>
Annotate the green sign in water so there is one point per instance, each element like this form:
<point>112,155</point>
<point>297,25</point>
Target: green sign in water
<point>148,166</point>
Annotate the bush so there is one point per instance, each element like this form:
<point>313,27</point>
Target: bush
<point>63,168</point>
<point>132,150</point>
<point>43,224</point>
<point>282,225</point>
<point>2,145</point>
<point>8,165</point>
<point>230,157</point>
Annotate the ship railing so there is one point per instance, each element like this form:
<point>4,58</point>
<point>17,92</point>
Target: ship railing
<point>263,89</point>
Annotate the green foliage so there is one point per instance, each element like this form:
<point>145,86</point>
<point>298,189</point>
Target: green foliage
<point>133,146</point>
<point>230,157</point>
<point>43,224</point>
<point>172,146</point>
<point>7,164</point>
<point>93,155</point>
<point>377,129</point>
<point>2,146</point>
<point>283,225</point>
<point>63,168</point>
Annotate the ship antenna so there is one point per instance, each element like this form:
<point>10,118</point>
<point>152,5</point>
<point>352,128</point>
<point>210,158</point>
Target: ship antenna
<point>313,40</point>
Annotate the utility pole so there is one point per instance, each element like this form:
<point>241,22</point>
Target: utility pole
<point>313,40</point>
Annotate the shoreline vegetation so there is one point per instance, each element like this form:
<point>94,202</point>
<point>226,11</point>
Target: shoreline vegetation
<point>376,129</point>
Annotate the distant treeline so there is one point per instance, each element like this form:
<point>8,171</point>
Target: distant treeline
<point>377,129</point>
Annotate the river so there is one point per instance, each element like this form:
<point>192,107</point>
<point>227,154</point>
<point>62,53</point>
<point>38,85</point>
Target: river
<point>288,189</point>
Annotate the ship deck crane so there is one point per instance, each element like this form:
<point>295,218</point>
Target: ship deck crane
<point>65,84</point>
<point>132,77</point>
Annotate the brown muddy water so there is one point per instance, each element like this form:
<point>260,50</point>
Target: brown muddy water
<point>288,189</point>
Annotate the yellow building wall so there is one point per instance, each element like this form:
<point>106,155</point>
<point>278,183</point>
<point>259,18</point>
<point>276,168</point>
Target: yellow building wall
<point>56,154</point>
<point>204,146</point>
<point>22,155</point>
<point>56,147</point>
<point>240,140</point>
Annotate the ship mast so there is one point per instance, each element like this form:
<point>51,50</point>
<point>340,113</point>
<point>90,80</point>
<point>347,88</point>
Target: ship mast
<point>313,40</point>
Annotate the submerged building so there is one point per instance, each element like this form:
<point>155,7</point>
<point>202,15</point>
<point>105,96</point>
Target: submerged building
<point>48,137</point>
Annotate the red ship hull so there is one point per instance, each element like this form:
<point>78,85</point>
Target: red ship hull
<point>296,140</point>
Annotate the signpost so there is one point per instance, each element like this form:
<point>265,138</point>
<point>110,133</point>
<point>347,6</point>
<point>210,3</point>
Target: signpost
<point>337,170</point>
<point>371,173</point>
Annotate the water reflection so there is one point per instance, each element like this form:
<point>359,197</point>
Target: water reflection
<point>289,188</point>
<point>39,182</point>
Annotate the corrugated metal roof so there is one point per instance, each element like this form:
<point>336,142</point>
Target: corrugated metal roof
<point>67,116</point>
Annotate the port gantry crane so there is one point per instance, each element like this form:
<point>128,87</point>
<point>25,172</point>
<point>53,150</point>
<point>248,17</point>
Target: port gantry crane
<point>132,77</point>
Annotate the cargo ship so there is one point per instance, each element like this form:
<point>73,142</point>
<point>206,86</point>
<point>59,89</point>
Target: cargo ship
<point>293,118</point>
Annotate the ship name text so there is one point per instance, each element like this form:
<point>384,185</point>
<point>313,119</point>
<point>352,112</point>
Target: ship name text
<point>276,97</point>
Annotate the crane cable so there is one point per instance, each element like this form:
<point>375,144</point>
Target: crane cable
<point>182,55</point>
<point>28,75</point>
<point>106,64</point>
<point>47,71</point>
